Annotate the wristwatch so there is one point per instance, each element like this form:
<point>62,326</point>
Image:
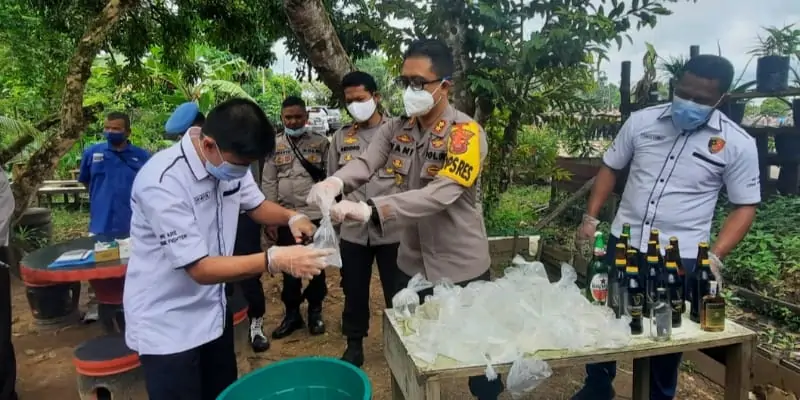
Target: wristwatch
<point>374,217</point>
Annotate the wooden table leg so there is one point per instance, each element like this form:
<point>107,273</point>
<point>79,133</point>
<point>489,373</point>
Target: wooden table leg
<point>641,379</point>
<point>397,393</point>
<point>738,370</point>
<point>433,390</point>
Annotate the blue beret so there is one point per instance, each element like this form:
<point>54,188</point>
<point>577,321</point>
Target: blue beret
<point>182,118</point>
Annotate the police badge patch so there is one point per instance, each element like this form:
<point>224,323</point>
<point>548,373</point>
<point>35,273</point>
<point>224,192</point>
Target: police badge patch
<point>716,144</point>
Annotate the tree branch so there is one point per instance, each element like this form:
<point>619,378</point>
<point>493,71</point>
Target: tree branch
<point>42,163</point>
<point>564,204</point>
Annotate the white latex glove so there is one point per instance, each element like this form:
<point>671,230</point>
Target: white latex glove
<point>324,193</point>
<point>716,268</point>
<point>350,210</point>
<point>301,225</point>
<point>298,261</point>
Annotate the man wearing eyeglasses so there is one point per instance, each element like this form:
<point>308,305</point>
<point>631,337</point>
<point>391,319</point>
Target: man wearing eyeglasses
<point>435,155</point>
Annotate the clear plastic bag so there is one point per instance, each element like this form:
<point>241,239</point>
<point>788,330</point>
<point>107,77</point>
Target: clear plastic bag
<point>325,238</point>
<point>525,375</point>
<point>405,302</point>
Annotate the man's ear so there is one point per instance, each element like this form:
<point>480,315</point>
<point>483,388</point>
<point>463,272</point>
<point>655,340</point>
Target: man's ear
<point>377,97</point>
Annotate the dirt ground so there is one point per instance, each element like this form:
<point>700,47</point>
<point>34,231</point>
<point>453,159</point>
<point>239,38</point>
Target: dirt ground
<point>45,369</point>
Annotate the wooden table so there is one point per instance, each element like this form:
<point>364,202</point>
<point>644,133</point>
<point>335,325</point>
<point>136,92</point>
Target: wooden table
<point>413,379</point>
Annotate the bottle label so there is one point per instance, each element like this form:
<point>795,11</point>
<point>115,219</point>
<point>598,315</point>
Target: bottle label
<point>636,304</point>
<point>715,314</point>
<point>599,287</point>
<point>677,302</point>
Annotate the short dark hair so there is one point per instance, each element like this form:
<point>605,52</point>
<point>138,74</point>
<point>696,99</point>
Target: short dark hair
<point>360,78</point>
<point>239,126</point>
<point>712,67</point>
<point>199,119</point>
<point>119,115</point>
<point>292,101</point>
<point>435,50</point>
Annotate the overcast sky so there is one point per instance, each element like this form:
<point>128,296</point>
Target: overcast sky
<point>735,24</point>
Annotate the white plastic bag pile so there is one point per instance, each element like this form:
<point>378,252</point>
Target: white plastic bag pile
<point>504,320</point>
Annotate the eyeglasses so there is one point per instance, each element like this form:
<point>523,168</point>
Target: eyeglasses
<point>416,83</point>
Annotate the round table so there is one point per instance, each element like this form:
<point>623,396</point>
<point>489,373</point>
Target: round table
<point>53,293</point>
<point>34,266</point>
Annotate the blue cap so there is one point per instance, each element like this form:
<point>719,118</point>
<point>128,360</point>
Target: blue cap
<point>182,118</point>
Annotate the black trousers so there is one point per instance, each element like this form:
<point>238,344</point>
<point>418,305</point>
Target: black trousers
<point>292,293</point>
<point>248,241</point>
<point>479,386</point>
<point>356,276</point>
<point>8,363</point>
<point>201,373</point>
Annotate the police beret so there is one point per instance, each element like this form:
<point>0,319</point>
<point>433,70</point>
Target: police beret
<point>182,118</point>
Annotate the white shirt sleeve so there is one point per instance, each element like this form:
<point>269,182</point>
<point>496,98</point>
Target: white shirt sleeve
<point>172,220</point>
<point>252,197</point>
<point>621,150</point>
<point>6,208</point>
<point>741,177</point>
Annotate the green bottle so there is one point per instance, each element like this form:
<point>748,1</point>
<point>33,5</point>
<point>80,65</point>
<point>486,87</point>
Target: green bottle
<point>597,273</point>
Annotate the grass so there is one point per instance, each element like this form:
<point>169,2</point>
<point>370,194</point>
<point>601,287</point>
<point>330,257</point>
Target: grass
<point>518,210</point>
<point>69,223</point>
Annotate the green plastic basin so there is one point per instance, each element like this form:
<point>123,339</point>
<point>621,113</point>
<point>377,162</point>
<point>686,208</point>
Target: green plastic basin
<point>305,378</point>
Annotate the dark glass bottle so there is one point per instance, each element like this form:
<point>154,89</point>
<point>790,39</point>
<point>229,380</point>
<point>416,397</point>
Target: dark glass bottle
<point>616,287</point>
<point>651,275</point>
<point>626,229</point>
<point>700,281</point>
<point>673,241</point>
<point>636,296</point>
<point>625,239</point>
<point>674,287</point>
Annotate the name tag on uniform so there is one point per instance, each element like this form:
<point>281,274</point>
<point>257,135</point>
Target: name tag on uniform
<point>97,157</point>
<point>202,197</point>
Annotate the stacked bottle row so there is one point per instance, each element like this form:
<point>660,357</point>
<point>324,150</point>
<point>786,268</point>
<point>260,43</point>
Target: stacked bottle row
<point>659,289</point>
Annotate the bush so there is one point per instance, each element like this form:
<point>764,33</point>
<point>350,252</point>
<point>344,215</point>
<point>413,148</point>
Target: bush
<point>768,258</point>
<point>517,211</point>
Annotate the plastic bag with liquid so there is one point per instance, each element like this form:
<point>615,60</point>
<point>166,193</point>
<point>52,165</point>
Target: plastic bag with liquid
<point>406,301</point>
<point>525,375</point>
<point>325,238</point>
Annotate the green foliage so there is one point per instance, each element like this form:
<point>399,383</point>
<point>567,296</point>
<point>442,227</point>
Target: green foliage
<point>517,210</point>
<point>770,253</point>
<point>774,107</point>
<point>784,41</point>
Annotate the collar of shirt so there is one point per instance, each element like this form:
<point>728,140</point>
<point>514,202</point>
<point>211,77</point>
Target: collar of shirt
<point>192,158</point>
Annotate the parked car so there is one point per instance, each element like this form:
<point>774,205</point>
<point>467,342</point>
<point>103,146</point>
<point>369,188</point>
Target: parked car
<point>332,116</point>
<point>318,122</point>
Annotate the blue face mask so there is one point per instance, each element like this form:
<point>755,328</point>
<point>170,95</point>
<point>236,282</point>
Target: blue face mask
<point>115,138</point>
<point>294,132</point>
<point>226,171</point>
<point>688,115</point>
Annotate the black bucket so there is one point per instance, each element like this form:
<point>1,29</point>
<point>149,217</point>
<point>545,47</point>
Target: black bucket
<point>734,110</point>
<point>772,74</point>
<point>34,229</point>
<point>54,305</point>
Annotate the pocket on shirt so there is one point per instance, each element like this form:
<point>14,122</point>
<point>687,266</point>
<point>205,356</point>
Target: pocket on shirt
<point>704,158</point>
<point>98,168</point>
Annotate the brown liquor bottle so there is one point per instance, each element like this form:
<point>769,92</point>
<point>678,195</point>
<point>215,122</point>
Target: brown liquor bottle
<point>712,313</point>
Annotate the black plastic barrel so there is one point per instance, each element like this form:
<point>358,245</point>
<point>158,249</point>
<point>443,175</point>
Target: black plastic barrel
<point>54,305</point>
<point>772,74</point>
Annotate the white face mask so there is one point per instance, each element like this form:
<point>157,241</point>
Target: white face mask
<point>362,110</point>
<point>418,102</point>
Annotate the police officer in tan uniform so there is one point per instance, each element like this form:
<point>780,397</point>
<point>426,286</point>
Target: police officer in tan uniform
<point>362,244</point>
<point>298,163</point>
<point>436,157</point>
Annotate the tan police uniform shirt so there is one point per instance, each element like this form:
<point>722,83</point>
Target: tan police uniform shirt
<point>285,180</point>
<point>437,174</point>
<point>347,144</point>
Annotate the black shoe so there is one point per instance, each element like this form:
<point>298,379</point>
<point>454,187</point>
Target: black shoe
<point>258,341</point>
<point>354,353</point>
<point>291,322</point>
<point>316,326</point>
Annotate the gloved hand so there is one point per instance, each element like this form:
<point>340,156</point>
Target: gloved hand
<point>351,210</point>
<point>323,194</point>
<point>298,261</point>
<point>585,233</point>
<point>716,268</point>
<point>301,225</point>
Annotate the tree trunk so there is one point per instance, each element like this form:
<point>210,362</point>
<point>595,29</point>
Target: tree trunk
<point>509,142</point>
<point>454,33</point>
<point>44,160</point>
<point>314,30</point>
